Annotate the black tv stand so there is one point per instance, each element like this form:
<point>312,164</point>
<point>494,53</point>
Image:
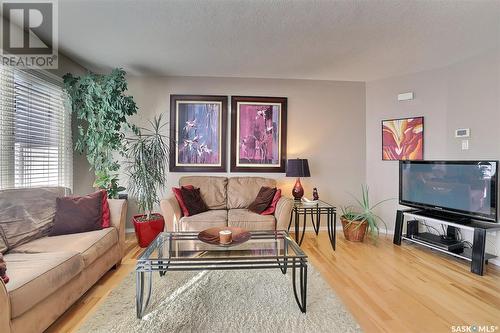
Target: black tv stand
<point>476,255</point>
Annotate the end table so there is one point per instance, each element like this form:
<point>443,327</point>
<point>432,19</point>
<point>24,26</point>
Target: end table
<point>315,210</point>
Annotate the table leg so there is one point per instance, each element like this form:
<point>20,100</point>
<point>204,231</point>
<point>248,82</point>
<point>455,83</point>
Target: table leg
<point>296,226</point>
<point>303,228</point>
<point>285,257</point>
<point>329,227</point>
<point>302,300</point>
<point>334,230</point>
<point>315,224</point>
<point>142,300</point>
<point>332,226</point>
<point>318,220</point>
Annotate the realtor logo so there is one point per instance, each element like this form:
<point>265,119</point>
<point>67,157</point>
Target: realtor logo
<point>29,34</point>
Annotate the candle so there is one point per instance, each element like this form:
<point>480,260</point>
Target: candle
<point>225,236</point>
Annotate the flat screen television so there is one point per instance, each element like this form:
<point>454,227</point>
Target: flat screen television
<point>464,188</point>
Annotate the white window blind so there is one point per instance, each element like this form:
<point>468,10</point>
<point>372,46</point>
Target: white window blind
<point>35,123</point>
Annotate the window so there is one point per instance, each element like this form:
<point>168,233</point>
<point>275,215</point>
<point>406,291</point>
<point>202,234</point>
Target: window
<point>35,125</point>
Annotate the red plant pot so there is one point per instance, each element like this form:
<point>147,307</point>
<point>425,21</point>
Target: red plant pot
<point>147,230</point>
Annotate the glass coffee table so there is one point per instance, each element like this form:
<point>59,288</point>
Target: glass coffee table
<point>183,251</point>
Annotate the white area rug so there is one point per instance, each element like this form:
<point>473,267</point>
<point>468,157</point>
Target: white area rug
<point>223,301</point>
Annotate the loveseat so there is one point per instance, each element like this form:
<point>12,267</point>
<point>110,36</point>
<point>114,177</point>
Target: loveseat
<point>227,200</point>
<point>48,274</point>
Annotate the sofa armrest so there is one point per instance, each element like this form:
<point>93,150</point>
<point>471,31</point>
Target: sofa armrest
<point>4,309</point>
<point>282,213</point>
<point>171,212</point>
<point>118,212</point>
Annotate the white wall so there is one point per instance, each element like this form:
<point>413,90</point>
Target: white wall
<point>326,122</point>
<point>464,95</point>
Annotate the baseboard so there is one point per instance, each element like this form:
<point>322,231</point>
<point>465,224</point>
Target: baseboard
<point>495,262</point>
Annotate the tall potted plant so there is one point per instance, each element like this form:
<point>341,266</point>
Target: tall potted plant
<point>147,154</point>
<point>356,221</point>
<point>101,108</point>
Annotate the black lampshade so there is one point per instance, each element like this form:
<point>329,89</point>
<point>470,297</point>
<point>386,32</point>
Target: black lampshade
<point>297,167</point>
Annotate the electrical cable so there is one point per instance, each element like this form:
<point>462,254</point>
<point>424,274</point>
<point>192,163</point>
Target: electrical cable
<point>429,227</point>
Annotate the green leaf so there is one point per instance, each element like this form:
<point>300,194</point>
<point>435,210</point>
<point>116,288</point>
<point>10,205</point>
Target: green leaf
<point>101,107</point>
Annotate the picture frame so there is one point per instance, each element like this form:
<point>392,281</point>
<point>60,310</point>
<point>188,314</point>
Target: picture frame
<point>403,139</point>
<point>198,125</point>
<point>258,134</point>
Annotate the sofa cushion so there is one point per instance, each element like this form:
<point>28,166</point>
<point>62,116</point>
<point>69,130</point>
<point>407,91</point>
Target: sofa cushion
<point>202,221</point>
<point>243,218</point>
<point>212,189</point>
<point>241,191</point>
<point>27,214</point>
<point>35,276</point>
<point>91,245</point>
<point>77,214</point>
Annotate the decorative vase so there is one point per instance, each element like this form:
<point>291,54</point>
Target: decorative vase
<point>298,190</point>
<point>147,230</point>
<point>354,231</point>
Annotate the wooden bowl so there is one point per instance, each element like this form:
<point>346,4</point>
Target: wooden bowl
<point>211,236</point>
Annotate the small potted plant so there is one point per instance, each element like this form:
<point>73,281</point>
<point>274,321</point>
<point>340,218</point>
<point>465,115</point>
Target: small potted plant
<point>147,154</point>
<point>356,221</point>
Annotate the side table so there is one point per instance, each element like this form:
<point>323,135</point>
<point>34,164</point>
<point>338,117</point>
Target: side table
<point>301,209</point>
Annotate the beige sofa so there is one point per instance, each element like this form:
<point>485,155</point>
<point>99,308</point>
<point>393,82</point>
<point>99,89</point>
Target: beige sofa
<point>49,274</point>
<point>228,200</point>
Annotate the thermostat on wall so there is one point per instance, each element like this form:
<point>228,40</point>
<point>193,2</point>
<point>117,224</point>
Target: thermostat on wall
<point>462,133</point>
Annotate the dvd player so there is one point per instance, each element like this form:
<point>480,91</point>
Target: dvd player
<point>451,245</point>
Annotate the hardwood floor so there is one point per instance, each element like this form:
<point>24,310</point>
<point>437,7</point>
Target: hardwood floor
<point>386,287</point>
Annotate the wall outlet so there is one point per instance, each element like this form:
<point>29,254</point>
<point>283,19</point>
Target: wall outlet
<point>465,144</point>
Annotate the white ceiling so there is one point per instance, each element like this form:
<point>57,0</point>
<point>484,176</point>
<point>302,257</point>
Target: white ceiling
<point>333,40</point>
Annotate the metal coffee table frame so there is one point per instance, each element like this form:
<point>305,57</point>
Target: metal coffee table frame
<point>316,210</point>
<point>146,264</point>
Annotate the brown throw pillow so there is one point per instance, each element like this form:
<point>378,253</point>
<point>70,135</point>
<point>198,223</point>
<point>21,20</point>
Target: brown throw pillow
<point>3,270</point>
<point>77,214</point>
<point>263,199</point>
<point>193,200</point>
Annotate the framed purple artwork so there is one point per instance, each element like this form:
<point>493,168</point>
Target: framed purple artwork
<point>198,133</point>
<point>258,134</point>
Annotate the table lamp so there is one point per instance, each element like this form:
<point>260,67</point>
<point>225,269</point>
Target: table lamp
<point>297,167</point>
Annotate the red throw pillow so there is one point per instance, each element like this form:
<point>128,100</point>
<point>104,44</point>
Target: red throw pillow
<point>106,215</point>
<point>272,207</point>
<point>180,200</point>
<point>77,214</point>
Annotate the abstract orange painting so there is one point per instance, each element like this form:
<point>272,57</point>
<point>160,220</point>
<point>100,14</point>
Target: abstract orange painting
<point>403,139</point>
